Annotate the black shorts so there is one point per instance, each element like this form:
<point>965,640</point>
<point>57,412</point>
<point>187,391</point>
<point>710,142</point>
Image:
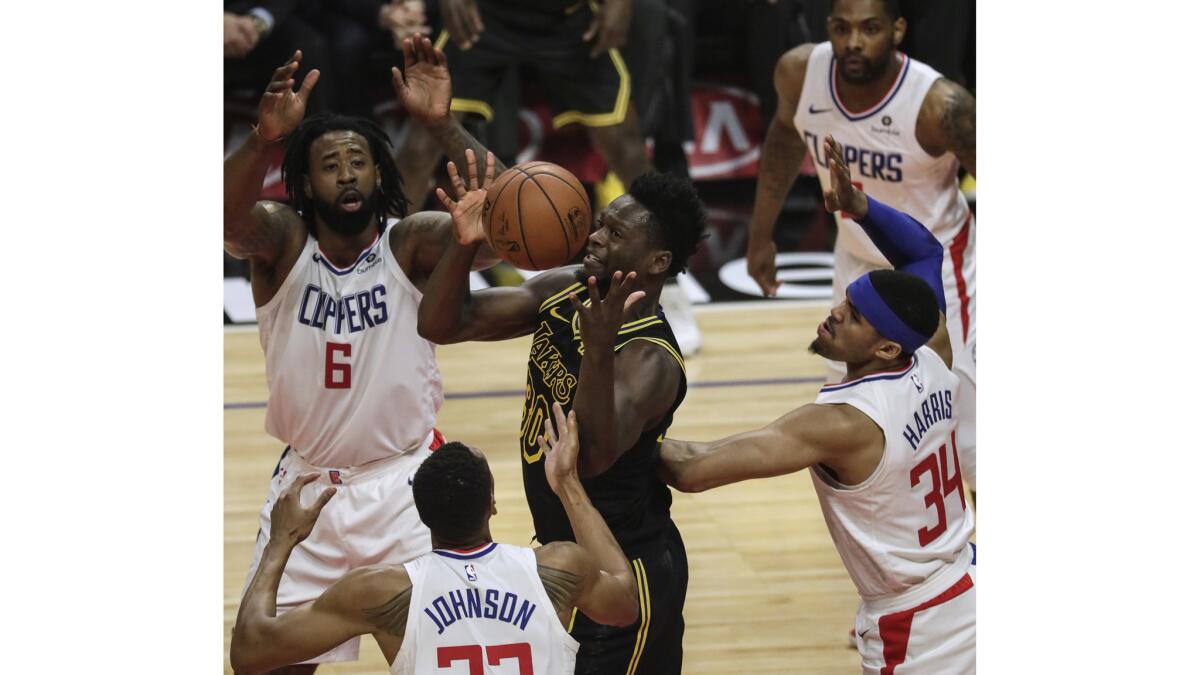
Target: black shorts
<point>580,89</point>
<point>652,645</point>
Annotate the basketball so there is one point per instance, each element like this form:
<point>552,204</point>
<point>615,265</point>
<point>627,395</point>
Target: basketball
<point>537,216</point>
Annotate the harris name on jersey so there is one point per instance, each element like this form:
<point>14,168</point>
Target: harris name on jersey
<point>350,314</point>
<point>476,603</point>
<point>935,408</point>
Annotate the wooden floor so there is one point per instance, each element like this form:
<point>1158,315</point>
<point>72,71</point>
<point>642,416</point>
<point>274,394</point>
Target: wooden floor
<point>767,592</point>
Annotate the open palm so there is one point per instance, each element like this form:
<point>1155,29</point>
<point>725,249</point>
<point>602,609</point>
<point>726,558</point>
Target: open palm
<point>467,210</point>
<point>423,87</point>
<point>281,109</point>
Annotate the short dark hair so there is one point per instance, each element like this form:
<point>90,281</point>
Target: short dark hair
<point>890,7</point>
<point>453,492</point>
<point>295,165</point>
<point>676,212</point>
<point>910,297</point>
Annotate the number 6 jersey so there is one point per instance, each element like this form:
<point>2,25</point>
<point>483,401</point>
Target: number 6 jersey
<point>350,380</point>
<point>908,522</point>
<point>486,607</point>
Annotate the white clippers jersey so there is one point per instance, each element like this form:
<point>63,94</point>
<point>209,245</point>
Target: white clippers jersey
<point>486,608</point>
<point>882,152</point>
<point>350,380</point>
<point>909,520</point>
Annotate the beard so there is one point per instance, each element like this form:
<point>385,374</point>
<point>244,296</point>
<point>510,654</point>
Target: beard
<point>815,347</point>
<point>348,223</point>
<point>871,70</point>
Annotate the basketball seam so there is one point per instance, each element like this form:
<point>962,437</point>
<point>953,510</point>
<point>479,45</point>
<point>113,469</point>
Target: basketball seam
<point>492,213</point>
<point>553,207</point>
<point>568,184</point>
<point>521,220</point>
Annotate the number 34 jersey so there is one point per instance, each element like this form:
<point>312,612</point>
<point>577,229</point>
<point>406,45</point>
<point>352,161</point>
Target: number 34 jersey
<point>909,521</point>
<point>482,606</point>
<point>350,381</point>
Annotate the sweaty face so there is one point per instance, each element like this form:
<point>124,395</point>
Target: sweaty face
<point>864,38</point>
<point>342,181</point>
<point>846,336</point>
<point>624,241</point>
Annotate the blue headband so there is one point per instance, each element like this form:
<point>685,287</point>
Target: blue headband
<point>868,302</point>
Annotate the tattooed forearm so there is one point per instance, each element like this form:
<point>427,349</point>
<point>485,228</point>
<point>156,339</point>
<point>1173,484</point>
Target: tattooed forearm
<point>561,586</point>
<point>958,126</point>
<point>455,141</point>
<point>783,151</point>
<point>391,616</point>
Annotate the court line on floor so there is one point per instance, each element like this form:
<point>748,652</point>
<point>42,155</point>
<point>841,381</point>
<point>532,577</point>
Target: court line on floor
<point>510,393</point>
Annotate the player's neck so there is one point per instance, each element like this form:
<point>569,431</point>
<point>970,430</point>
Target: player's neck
<point>855,371</point>
<point>860,96</point>
<point>340,249</point>
<point>467,544</point>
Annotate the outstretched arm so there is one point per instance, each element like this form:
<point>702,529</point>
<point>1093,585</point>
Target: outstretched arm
<point>254,229</point>
<point>262,640</point>
<point>592,574</point>
<point>826,434</point>
<point>423,88</point>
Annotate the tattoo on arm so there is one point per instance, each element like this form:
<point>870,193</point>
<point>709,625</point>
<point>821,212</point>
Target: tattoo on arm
<point>455,140</point>
<point>560,585</point>
<point>392,616</point>
<point>958,125</point>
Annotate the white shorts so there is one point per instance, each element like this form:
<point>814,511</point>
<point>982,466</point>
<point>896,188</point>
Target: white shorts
<point>935,636</point>
<point>372,519</point>
<point>958,282</point>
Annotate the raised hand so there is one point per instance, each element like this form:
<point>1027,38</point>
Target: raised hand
<point>760,263</point>
<point>281,109</point>
<point>462,21</point>
<point>600,320</point>
<point>423,88</point>
<point>467,211</point>
<point>842,195</point>
<point>291,522</point>
<point>560,447</point>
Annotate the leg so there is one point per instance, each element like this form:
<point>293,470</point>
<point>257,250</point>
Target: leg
<point>622,147</point>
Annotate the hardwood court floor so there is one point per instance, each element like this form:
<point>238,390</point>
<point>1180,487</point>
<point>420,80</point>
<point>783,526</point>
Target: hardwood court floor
<point>767,591</point>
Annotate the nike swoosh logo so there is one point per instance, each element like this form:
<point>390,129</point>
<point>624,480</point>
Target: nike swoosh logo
<point>814,111</point>
<point>864,632</point>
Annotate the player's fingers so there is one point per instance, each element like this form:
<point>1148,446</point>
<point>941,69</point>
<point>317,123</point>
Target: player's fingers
<point>576,303</point>
<point>301,481</point>
<point>591,31</point>
<point>323,499</point>
<point>551,434</point>
<point>445,199</point>
<point>572,425</point>
<point>410,55</point>
<point>456,180</point>
<point>397,79</point>
<point>472,170</point>
<point>489,170</point>
<point>593,291</point>
<point>560,419</point>
<point>633,299</point>
<point>541,441</point>
<point>476,24</point>
<point>306,87</point>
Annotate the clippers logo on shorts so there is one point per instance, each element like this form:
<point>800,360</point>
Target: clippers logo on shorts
<point>470,570</point>
<point>351,314</point>
<point>335,477</point>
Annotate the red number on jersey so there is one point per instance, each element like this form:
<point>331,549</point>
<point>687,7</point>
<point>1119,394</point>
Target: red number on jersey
<point>340,369</point>
<point>473,655</point>
<point>944,485</point>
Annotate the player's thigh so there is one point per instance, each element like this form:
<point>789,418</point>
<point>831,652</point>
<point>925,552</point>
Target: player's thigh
<point>479,71</point>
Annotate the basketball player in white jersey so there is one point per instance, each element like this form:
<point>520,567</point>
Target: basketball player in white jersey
<point>906,130</point>
<point>353,390</point>
<point>496,607</point>
<point>881,447</point>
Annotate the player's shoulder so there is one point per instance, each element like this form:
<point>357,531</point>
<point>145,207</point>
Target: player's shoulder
<point>418,224</point>
<point>655,355</point>
<point>368,586</point>
<point>795,60</point>
<point>566,556</point>
<point>839,424</point>
<point>944,93</point>
<point>555,285</point>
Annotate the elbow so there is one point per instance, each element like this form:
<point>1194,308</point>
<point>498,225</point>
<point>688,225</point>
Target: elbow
<point>242,655</point>
<point>628,612</point>
<point>431,333</point>
<point>240,661</point>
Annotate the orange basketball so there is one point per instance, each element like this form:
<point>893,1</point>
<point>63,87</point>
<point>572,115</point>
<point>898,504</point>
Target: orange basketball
<point>537,216</point>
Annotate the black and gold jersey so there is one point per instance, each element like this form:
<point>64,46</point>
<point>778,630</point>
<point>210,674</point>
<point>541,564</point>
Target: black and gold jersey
<point>629,495</point>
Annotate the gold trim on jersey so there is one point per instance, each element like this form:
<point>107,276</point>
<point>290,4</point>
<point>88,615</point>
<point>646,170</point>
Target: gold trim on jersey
<point>639,569</point>
<point>560,295</point>
<point>608,119</point>
<point>442,38</point>
<point>658,341</point>
<point>571,623</point>
<point>467,105</point>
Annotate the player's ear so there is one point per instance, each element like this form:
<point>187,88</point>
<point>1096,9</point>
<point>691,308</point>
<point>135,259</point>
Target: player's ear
<point>378,177</point>
<point>887,350</point>
<point>660,263</point>
<point>899,28</point>
<point>494,509</point>
<point>307,187</point>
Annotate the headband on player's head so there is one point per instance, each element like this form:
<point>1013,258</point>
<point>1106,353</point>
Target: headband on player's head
<point>869,303</point>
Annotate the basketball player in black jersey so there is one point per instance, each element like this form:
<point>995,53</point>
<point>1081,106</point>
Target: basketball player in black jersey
<point>624,389</point>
